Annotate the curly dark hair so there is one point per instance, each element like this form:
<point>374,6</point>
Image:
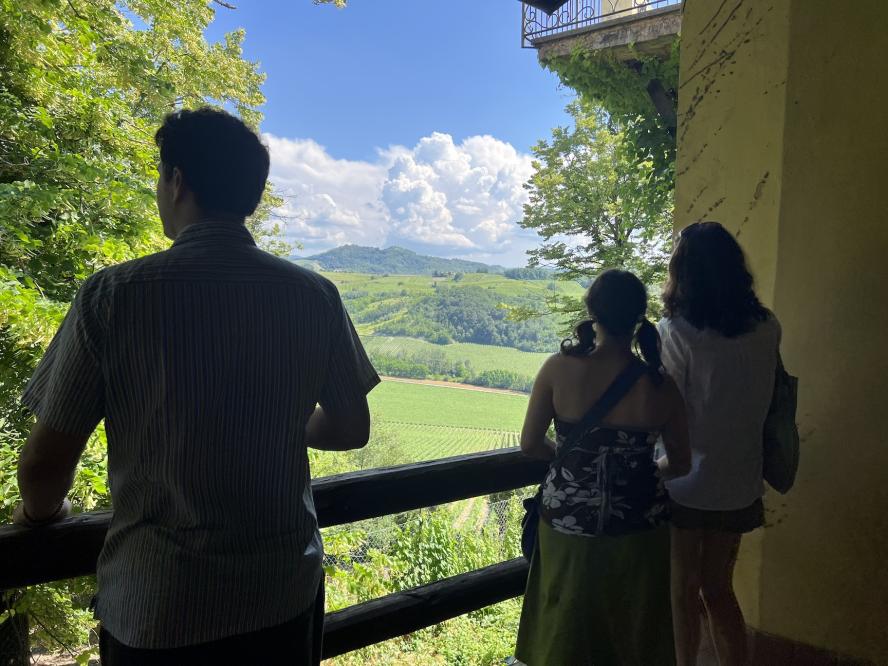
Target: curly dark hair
<point>221,159</point>
<point>709,284</point>
<point>617,301</point>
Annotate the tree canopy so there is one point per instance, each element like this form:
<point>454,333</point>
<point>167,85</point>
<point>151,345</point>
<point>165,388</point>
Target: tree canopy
<point>595,203</point>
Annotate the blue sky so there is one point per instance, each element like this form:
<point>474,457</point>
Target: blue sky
<point>403,122</point>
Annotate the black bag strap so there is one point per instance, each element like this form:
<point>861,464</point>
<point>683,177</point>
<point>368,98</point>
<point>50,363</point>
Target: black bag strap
<point>608,400</point>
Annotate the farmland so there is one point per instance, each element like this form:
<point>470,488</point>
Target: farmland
<point>452,327</point>
<point>424,285</point>
<point>479,357</point>
<point>435,405</point>
<point>426,422</point>
<point>470,308</point>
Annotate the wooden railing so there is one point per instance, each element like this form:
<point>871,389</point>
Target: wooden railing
<point>71,547</point>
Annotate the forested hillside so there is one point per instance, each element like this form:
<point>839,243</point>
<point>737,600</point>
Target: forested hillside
<point>392,260</point>
<point>460,308</point>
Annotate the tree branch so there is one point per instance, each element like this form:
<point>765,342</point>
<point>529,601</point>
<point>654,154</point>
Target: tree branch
<point>76,13</point>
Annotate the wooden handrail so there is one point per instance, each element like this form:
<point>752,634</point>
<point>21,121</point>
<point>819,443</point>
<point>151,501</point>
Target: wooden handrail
<point>71,547</point>
<point>403,612</point>
<point>347,498</point>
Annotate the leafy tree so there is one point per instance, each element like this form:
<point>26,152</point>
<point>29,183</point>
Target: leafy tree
<point>463,313</point>
<point>595,204</point>
<point>83,86</point>
<point>504,379</point>
<point>528,274</point>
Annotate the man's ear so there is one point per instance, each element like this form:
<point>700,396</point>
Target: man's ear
<point>177,185</point>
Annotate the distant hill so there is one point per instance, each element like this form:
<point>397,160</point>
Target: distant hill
<point>307,263</point>
<point>392,261</point>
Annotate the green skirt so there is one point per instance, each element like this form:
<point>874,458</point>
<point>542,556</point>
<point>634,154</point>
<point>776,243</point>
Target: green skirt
<point>601,601</point>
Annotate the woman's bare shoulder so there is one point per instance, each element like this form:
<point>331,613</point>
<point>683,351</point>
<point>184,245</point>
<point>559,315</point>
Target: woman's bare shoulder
<point>561,367</point>
<point>548,368</point>
<point>554,364</point>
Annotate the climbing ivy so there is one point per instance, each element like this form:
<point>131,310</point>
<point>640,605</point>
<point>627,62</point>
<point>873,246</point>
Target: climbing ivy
<point>607,182</point>
<point>620,88</point>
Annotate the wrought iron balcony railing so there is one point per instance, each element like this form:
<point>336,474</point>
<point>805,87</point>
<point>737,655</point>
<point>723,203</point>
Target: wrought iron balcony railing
<point>537,25</point>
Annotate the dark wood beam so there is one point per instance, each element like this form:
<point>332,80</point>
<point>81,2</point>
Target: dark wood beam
<point>71,547</point>
<point>65,549</point>
<point>379,492</point>
<point>404,612</point>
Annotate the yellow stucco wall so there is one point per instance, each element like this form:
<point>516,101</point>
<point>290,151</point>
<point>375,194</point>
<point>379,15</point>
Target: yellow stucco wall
<point>783,138</point>
<point>732,91</point>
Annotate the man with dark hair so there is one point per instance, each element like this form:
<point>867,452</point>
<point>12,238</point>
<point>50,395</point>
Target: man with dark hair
<point>214,366</point>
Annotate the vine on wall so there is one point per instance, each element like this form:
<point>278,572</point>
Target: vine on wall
<point>621,89</point>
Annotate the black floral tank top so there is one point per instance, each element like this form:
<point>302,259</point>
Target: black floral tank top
<point>607,484</point>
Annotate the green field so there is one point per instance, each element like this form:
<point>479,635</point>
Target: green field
<point>422,326</point>
<point>424,285</point>
<point>428,422</point>
<point>481,357</point>
<point>438,405</point>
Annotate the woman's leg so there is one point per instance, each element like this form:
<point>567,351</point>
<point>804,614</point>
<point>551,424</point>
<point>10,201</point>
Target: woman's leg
<point>725,617</point>
<point>687,580</point>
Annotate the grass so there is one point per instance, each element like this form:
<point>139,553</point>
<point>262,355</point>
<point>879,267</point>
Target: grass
<point>439,405</point>
<point>481,357</point>
<point>428,422</point>
<point>425,284</point>
<point>427,442</point>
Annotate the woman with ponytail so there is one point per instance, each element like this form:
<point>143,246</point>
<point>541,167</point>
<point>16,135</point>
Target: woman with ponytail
<point>720,344</point>
<point>598,588</point>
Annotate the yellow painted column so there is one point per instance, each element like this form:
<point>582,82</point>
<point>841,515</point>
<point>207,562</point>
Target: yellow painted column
<point>783,138</point>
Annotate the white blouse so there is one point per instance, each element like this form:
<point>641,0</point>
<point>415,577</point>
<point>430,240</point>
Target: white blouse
<point>727,384</point>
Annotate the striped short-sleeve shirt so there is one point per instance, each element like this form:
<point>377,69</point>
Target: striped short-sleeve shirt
<point>205,361</point>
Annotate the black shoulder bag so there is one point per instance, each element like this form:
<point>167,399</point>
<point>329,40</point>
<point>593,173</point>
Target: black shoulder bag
<point>781,434</point>
<point>614,393</point>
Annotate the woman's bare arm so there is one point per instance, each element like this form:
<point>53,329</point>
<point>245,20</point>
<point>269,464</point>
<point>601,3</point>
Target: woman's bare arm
<point>540,412</point>
<point>677,461</point>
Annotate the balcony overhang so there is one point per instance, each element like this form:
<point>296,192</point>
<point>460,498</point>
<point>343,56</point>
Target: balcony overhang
<point>624,36</point>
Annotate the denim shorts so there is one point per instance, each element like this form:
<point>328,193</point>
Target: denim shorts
<point>737,521</point>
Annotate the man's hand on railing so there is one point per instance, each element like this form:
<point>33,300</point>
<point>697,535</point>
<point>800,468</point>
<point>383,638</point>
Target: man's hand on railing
<point>21,517</point>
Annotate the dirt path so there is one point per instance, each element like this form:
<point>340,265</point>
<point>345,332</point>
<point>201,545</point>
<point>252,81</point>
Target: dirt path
<point>482,516</point>
<point>453,385</point>
<point>466,512</point>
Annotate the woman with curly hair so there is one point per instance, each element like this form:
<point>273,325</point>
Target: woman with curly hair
<point>720,345</point>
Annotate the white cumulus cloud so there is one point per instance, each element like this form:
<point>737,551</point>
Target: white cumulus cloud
<point>327,202</point>
<point>438,197</point>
